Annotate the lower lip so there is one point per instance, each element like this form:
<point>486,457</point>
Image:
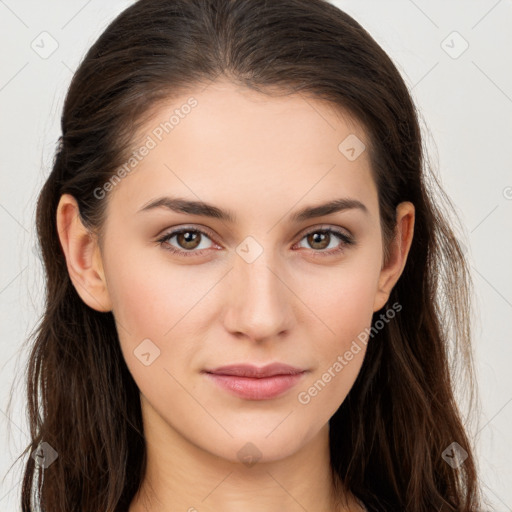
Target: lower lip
<point>256,389</point>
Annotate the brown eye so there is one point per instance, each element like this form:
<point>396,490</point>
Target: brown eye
<point>188,239</point>
<point>318,240</point>
<point>329,241</point>
<point>186,243</point>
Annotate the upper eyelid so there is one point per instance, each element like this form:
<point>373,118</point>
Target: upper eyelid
<point>325,227</point>
<point>201,229</point>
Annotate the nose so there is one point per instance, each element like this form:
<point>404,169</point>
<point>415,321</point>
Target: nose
<point>259,301</point>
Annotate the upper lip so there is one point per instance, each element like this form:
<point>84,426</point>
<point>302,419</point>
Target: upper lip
<point>249,370</point>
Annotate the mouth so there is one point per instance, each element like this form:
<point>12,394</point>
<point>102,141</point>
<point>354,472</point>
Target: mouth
<point>252,383</point>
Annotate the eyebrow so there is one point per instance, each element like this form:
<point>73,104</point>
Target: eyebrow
<point>203,209</point>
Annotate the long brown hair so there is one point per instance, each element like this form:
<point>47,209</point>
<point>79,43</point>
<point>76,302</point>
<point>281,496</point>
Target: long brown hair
<point>388,437</point>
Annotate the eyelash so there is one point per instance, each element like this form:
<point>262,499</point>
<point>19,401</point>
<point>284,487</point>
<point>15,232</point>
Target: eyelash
<point>346,241</point>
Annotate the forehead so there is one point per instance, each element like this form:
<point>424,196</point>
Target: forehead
<point>232,144</point>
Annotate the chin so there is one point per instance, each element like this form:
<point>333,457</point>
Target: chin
<point>260,446</point>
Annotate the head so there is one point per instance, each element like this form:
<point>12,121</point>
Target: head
<point>258,287</point>
<point>257,113</point>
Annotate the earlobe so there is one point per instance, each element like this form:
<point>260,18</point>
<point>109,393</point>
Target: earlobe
<point>399,250</point>
<point>83,258</point>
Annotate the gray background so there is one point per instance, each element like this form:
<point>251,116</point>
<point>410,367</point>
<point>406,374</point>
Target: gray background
<point>465,99</point>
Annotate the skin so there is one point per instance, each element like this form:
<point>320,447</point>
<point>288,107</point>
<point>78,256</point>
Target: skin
<point>261,158</point>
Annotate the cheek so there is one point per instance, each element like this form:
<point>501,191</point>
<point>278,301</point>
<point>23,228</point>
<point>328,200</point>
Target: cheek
<point>150,297</point>
<point>343,299</point>
<point>153,310</point>
<point>343,305</point>
<point>163,302</point>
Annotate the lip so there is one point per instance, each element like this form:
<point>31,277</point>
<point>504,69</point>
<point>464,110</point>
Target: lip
<point>250,370</point>
<point>256,383</point>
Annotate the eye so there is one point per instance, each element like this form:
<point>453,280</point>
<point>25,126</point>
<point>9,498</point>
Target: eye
<point>323,243</point>
<point>189,239</point>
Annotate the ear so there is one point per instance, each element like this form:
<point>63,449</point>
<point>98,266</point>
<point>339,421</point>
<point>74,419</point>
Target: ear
<point>83,257</point>
<point>399,249</point>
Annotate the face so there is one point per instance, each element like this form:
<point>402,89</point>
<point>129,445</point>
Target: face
<point>258,284</point>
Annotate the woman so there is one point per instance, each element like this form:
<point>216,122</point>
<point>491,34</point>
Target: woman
<point>245,276</point>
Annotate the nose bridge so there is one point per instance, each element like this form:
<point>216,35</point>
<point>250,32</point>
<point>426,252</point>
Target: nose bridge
<point>259,301</point>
